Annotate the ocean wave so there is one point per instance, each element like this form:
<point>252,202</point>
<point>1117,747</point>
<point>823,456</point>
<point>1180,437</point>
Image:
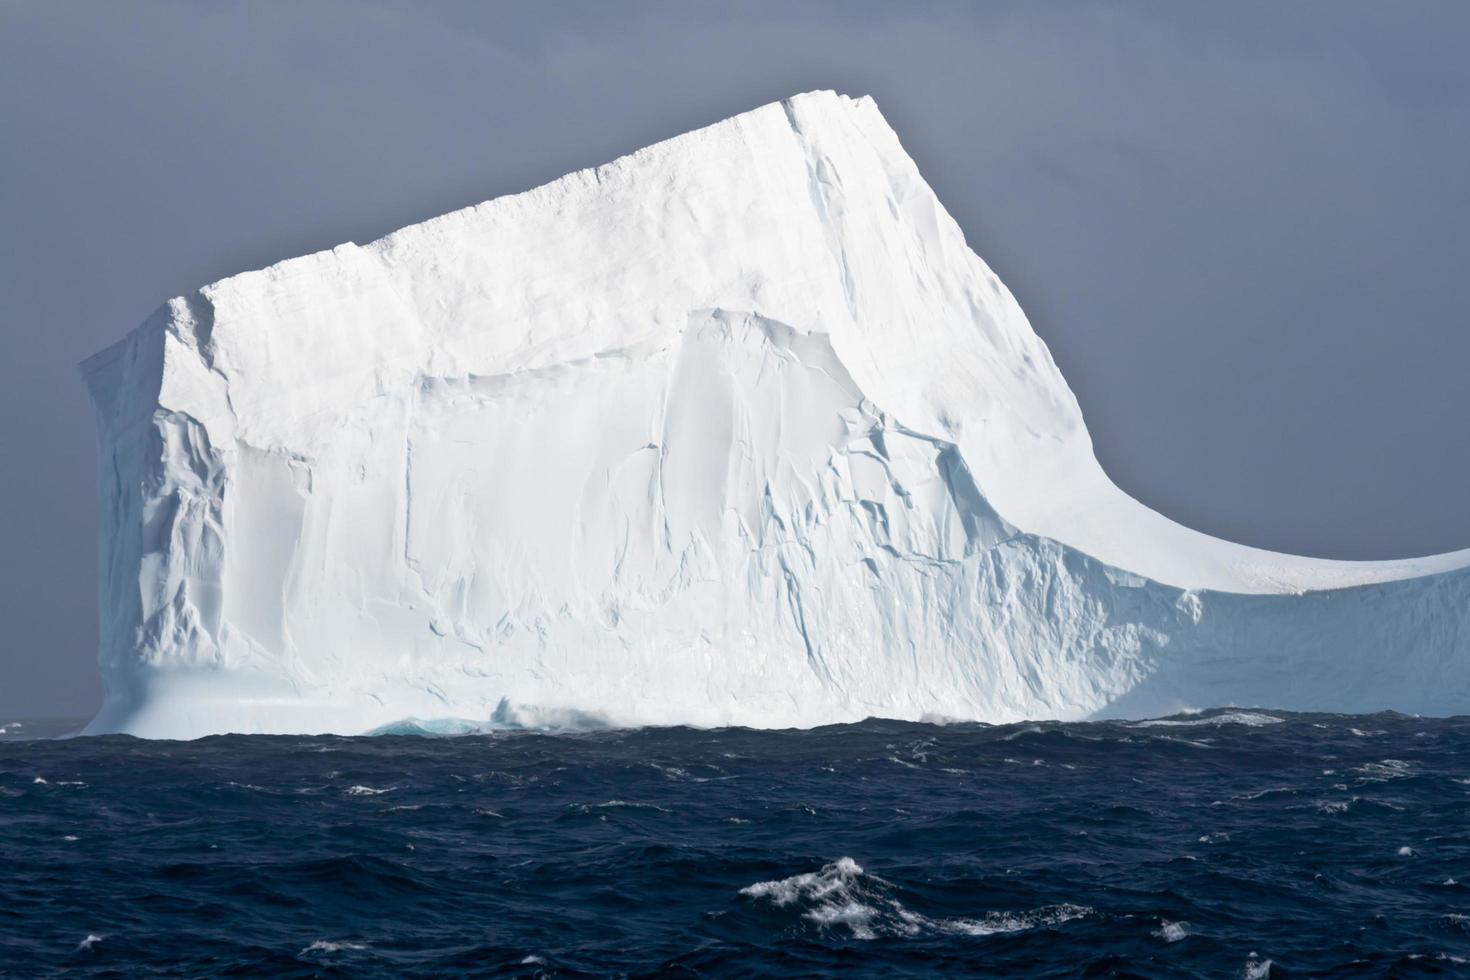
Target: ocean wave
<point>1250,719</point>
<point>606,854</point>
<point>1256,968</point>
<point>507,717</point>
<point>330,946</point>
<point>843,894</point>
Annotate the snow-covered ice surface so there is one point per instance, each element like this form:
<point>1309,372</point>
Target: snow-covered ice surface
<point>733,430</point>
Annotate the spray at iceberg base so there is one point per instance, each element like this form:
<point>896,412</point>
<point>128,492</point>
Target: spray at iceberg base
<point>733,431</point>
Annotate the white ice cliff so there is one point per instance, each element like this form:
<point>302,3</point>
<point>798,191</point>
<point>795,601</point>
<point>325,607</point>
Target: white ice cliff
<point>734,430</point>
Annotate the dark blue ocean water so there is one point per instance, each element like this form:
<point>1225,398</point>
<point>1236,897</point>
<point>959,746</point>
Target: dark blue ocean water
<point>1316,844</point>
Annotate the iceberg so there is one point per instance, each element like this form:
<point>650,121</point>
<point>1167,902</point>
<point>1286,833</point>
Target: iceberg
<point>735,430</point>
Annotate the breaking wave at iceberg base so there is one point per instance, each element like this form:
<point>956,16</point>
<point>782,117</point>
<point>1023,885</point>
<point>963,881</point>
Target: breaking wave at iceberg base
<point>506,717</point>
<point>509,717</point>
<point>1233,846</point>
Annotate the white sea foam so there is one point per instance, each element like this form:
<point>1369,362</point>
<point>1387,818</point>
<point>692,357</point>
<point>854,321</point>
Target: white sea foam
<point>368,790</point>
<point>1386,769</point>
<point>329,946</point>
<point>91,940</point>
<point>1005,922</point>
<point>1172,932</point>
<point>1250,719</point>
<point>1192,742</point>
<point>813,885</point>
<point>1256,968</point>
<point>508,716</point>
<point>843,894</point>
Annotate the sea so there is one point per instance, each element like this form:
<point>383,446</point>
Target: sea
<point>1231,843</point>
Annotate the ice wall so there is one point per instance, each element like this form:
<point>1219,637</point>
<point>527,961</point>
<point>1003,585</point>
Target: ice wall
<point>735,430</point>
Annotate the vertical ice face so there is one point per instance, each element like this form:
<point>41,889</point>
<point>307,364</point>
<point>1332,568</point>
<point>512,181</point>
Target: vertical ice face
<point>733,430</point>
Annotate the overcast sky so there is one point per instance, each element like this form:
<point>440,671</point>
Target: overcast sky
<point>1241,227</point>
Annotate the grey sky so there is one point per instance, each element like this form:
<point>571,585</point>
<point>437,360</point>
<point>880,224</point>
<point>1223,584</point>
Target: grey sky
<point>1241,227</point>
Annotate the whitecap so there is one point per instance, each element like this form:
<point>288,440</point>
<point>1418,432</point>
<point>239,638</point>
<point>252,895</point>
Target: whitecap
<point>671,772</point>
<point>1172,932</point>
<point>855,915</point>
<point>368,790</point>
<point>432,726</point>
<point>507,717</point>
<point>843,894</point>
<point>1256,968</point>
<point>1375,772</point>
<point>626,804</point>
<point>1006,922</point>
<point>1250,719</point>
<point>328,946</point>
<point>92,940</point>
<point>1192,742</point>
<point>831,878</point>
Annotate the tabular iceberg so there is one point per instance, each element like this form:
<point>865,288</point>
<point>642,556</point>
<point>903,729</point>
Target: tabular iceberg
<point>734,430</point>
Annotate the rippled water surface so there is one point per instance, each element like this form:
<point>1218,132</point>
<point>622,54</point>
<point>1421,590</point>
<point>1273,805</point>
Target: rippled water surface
<point>1229,844</point>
